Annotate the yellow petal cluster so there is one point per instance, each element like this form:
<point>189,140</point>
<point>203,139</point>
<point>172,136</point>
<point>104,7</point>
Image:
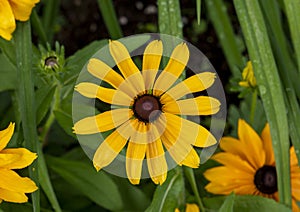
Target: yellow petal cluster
<point>249,80</point>
<point>12,186</point>
<point>12,10</point>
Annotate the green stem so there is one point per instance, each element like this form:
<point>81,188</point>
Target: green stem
<point>198,5</point>
<point>38,27</point>
<point>110,18</point>
<point>189,173</point>
<point>253,106</point>
<point>26,99</point>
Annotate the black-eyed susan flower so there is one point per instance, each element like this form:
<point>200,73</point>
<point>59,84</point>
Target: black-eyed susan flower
<point>249,80</point>
<point>249,166</point>
<point>146,111</point>
<point>12,10</point>
<point>190,208</point>
<point>12,186</point>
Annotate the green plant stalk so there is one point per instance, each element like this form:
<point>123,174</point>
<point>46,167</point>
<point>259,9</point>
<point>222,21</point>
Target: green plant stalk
<point>253,106</point>
<point>189,173</point>
<point>26,99</point>
<point>226,36</point>
<point>38,27</point>
<point>110,18</point>
<point>292,8</point>
<point>265,70</point>
<point>198,5</point>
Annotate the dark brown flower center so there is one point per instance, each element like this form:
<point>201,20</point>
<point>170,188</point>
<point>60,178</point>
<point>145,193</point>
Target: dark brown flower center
<point>265,179</point>
<point>147,108</point>
<point>51,61</point>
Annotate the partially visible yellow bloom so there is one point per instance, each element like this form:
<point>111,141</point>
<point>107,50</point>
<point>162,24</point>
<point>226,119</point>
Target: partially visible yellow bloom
<point>249,166</point>
<point>12,10</point>
<point>190,208</point>
<point>12,186</point>
<point>248,77</point>
<point>149,111</point>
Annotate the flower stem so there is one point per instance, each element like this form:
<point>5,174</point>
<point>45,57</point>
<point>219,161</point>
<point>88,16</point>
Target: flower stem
<point>189,173</point>
<point>253,106</point>
<point>26,99</point>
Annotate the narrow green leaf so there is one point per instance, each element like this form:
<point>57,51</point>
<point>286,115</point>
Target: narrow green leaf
<point>170,194</point>
<point>50,12</point>
<point>8,80</point>
<point>44,97</point>
<point>26,99</point>
<point>221,22</point>
<point>95,185</point>
<point>110,18</point>
<point>292,8</point>
<point>8,48</point>
<point>265,70</point>
<point>198,2</point>
<point>227,206</point>
<point>65,121</point>
<point>38,27</point>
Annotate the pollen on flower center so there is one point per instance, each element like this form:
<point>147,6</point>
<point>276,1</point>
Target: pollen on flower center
<point>147,108</point>
<point>265,179</point>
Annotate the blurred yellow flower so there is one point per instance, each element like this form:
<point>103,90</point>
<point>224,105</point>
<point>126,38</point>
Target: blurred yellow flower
<point>147,109</point>
<point>12,186</point>
<point>12,10</point>
<point>248,76</point>
<point>249,166</point>
<point>190,208</point>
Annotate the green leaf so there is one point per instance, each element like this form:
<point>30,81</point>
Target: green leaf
<point>265,70</point>
<point>8,80</point>
<point>8,48</point>
<point>95,185</point>
<point>227,206</point>
<point>65,121</point>
<point>170,194</point>
<point>44,97</point>
<point>198,4</point>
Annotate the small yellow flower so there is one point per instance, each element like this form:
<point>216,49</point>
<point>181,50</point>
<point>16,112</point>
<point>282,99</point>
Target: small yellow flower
<point>249,80</point>
<point>12,186</point>
<point>190,208</point>
<point>249,166</point>
<point>147,111</point>
<point>12,10</point>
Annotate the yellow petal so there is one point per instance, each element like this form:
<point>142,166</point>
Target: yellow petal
<point>234,161</point>
<point>195,83</point>
<point>151,62</point>
<point>201,105</point>
<point>102,122</point>
<point>17,158</point>
<point>102,71</point>
<point>11,181</point>
<point>134,160</point>
<point>252,143</point>
<point>177,210</point>
<point>267,144</point>
<point>192,159</point>
<point>174,68</point>
<point>107,95</point>
<point>7,20</point>
<point>156,161</point>
<point>11,196</point>
<point>5,135</point>
<point>108,150</point>
<point>192,208</point>
<point>22,8</point>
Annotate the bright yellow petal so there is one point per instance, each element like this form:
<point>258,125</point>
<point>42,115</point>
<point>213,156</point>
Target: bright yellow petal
<point>102,71</point>
<point>234,161</point>
<point>192,159</point>
<point>192,208</point>
<point>11,196</point>
<point>7,20</point>
<point>177,210</point>
<point>11,181</point>
<point>134,160</point>
<point>252,144</point>
<point>201,105</point>
<point>22,8</point>
<point>5,135</point>
<point>17,158</point>
<point>267,144</point>
<point>195,83</point>
<point>151,62</point>
<point>156,161</point>
<point>102,122</point>
<point>174,68</point>
<point>108,150</point>
<point>107,95</point>
<point>295,206</point>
